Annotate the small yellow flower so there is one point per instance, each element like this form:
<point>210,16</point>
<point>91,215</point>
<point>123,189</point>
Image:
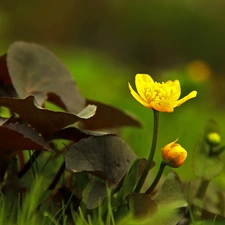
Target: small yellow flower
<point>162,97</point>
<point>214,138</point>
<point>174,154</point>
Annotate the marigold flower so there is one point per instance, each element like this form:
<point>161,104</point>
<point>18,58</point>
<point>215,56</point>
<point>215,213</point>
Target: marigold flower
<point>174,154</point>
<point>162,97</point>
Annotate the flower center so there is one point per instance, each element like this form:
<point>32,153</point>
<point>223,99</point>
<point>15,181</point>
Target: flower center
<point>158,92</point>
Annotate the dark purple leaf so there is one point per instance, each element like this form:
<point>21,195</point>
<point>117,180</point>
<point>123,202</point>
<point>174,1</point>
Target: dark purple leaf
<point>108,117</point>
<point>21,137</point>
<point>34,70</point>
<point>6,87</point>
<point>107,156</point>
<point>45,121</point>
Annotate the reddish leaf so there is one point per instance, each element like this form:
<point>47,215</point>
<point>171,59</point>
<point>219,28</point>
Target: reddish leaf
<point>106,156</point>
<point>4,74</point>
<point>14,137</point>
<point>56,100</point>
<point>12,119</point>
<point>6,88</point>
<point>46,122</point>
<point>74,134</point>
<point>108,117</point>
<point>36,71</point>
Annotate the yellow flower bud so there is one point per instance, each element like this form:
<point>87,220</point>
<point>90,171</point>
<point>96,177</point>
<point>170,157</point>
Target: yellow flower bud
<point>174,154</point>
<point>214,138</point>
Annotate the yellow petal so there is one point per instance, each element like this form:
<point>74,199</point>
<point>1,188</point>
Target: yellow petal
<point>175,90</point>
<point>187,97</point>
<point>162,106</point>
<point>174,154</point>
<point>162,97</point>
<point>170,144</point>
<point>179,158</point>
<point>137,97</point>
<point>144,84</point>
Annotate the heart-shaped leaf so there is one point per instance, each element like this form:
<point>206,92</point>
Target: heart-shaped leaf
<point>106,156</point>
<point>34,70</point>
<point>46,122</point>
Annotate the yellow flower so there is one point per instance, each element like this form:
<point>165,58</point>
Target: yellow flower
<point>214,138</point>
<point>174,154</point>
<point>162,97</point>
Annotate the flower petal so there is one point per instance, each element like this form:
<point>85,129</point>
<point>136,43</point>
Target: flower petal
<point>175,90</point>
<point>170,144</point>
<point>137,97</point>
<point>163,97</point>
<point>162,106</point>
<point>174,154</point>
<point>144,83</point>
<point>187,97</point>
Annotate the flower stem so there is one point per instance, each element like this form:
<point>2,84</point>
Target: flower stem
<point>202,189</point>
<point>204,183</point>
<point>158,176</point>
<point>151,154</point>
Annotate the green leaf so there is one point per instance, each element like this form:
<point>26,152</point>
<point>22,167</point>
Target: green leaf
<point>211,222</point>
<point>12,185</point>
<point>132,176</point>
<point>207,166</point>
<point>34,70</point>
<point>94,194</point>
<point>171,202</point>
<point>106,156</point>
<point>142,205</point>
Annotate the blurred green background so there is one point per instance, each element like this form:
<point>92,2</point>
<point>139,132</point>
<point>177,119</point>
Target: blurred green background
<point>105,43</point>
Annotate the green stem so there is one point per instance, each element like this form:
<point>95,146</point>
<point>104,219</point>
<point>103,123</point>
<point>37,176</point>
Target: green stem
<point>217,152</point>
<point>151,154</point>
<point>157,178</point>
<point>198,201</point>
<point>204,183</point>
<point>197,209</point>
<point>202,189</point>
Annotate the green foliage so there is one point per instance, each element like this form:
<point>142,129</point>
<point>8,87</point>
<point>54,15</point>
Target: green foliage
<point>76,174</point>
<point>205,155</point>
